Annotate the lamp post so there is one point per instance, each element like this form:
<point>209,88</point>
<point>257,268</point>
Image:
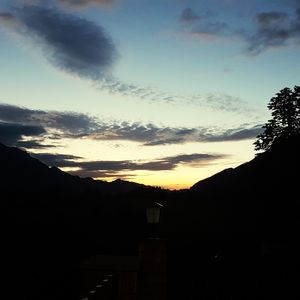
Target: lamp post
<point>153,214</point>
<point>152,258</point>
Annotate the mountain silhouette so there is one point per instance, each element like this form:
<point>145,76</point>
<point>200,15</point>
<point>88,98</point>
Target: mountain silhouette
<point>265,186</point>
<point>22,173</point>
<point>53,219</point>
<point>271,167</point>
<point>46,198</point>
<point>232,235</point>
<point>236,231</point>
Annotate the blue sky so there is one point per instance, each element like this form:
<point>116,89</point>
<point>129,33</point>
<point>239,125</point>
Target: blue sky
<point>159,92</point>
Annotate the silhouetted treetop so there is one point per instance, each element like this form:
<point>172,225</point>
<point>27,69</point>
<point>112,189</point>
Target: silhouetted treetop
<point>285,122</point>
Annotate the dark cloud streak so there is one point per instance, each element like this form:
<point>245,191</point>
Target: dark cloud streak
<point>71,43</point>
<point>235,134</point>
<point>11,133</point>
<point>78,4</point>
<point>70,123</point>
<point>113,168</point>
<point>33,144</point>
<point>57,160</point>
<point>58,125</point>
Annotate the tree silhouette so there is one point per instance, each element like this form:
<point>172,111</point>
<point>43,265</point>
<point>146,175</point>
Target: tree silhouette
<point>285,120</point>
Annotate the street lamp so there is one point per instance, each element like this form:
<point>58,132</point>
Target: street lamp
<point>153,257</point>
<point>153,214</point>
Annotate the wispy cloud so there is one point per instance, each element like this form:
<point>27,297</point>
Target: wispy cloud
<point>83,48</point>
<point>78,4</point>
<point>212,101</point>
<point>203,25</point>
<point>151,135</point>
<point>189,16</point>
<point>222,102</point>
<point>269,29</point>
<point>273,30</point>
<point>6,17</point>
<point>235,134</point>
<point>75,45</point>
<point>59,125</point>
<point>115,168</point>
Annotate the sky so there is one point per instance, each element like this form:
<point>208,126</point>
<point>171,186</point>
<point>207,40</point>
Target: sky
<point>160,92</point>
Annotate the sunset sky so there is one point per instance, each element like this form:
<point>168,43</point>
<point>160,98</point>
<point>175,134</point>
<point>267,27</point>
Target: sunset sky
<point>160,92</point>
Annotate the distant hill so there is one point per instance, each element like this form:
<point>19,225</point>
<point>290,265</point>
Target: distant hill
<point>33,193</point>
<point>21,173</point>
<point>264,188</point>
<point>236,233</point>
<point>52,219</point>
<point>258,196</point>
<point>279,166</point>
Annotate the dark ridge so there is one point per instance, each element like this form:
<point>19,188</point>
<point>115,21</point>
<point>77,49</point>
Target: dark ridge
<point>22,173</point>
<point>233,235</point>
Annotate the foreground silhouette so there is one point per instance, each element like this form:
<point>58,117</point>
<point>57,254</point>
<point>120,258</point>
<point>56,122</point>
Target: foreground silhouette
<point>285,122</point>
<point>233,235</point>
<point>249,215</point>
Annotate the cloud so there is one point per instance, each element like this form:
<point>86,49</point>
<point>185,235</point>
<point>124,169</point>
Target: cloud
<point>212,101</point>
<point>151,135</point>
<point>32,144</point>
<point>271,18</point>
<point>57,160</point>
<point>71,43</point>
<point>18,123</point>
<point>113,168</point>
<point>11,133</point>
<point>210,29</point>
<point>6,17</point>
<point>76,46</point>
<point>61,125</point>
<point>270,29</point>
<point>83,48</point>
<point>235,134</point>
<point>188,16</point>
<point>77,4</point>
<point>68,123</point>
<point>203,26</point>
<point>273,30</point>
